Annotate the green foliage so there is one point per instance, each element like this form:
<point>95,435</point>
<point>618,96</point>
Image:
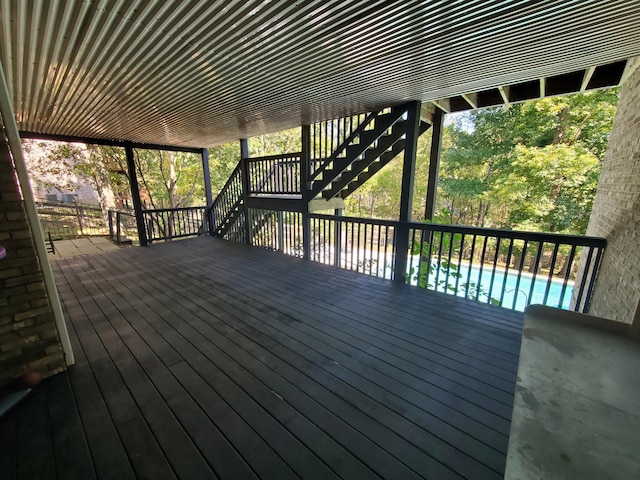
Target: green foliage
<point>531,166</point>
<point>222,161</point>
<point>169,179</point>
<point>286,141</point>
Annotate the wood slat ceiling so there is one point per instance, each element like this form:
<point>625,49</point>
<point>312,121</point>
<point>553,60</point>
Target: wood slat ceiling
<point>198,73</point>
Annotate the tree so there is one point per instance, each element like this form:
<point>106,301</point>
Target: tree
<point>223,159</point>
<point>531,166</point>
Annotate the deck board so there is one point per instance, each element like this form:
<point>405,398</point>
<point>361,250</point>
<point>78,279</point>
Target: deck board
<point>207,359</point>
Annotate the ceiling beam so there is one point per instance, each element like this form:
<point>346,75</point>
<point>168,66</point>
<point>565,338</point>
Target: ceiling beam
<point>588,73</point>
<point>108,143</point>
<point>504,93</point>
<point>443,104</point>
<point>471,99</point>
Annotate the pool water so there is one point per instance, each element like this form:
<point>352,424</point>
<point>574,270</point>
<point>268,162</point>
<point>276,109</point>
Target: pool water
<point>512,298</point>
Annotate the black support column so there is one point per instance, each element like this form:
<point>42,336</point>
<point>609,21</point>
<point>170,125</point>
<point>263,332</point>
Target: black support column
<point>305,163</point>
<point>406,195</point>
<point>434,164</point>
<point>244,171</point>
<point>135,195</point>
<point>206,177</point>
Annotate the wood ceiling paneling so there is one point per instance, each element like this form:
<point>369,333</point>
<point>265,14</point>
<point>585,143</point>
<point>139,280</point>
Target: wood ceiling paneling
<point>198,73</point>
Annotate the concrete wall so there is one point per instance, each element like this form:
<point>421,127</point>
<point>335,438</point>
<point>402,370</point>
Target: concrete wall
<point>28,335</point>
<point>616,213</point>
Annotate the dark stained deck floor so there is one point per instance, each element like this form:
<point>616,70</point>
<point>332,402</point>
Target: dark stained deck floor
<point>207,359</point>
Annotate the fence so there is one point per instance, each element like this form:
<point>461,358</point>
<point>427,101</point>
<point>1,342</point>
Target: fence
<point>67,221</point>
<point>507,268</point>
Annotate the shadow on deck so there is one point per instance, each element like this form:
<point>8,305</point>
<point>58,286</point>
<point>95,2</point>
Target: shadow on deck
<point>208,359</point>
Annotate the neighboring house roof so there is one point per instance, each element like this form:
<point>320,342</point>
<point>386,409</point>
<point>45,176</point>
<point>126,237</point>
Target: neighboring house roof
<point>195,73</point>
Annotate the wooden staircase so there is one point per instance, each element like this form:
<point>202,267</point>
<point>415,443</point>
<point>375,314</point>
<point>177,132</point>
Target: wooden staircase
<point>372,146</point>
<point>366,147</point>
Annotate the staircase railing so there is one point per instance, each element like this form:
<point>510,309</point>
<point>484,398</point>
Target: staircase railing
<point>344,130</point>
<point>225,208</point>
<point>364,139</point>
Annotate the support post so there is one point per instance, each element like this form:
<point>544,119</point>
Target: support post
<point>280,231</point>
<point>118,227</point>
<point>244,173</point>
<point>337,238</point>
<point>434,164</point>
<point>406,194</point>
<point>110,216</point>
<point>305,161</point>
<point>135,195</point>
<point>206,176</point>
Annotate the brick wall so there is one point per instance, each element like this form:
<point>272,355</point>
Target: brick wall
<point>28,335</point>
<point>616,212</point>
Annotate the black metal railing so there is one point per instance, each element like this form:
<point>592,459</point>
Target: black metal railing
<point>507,268</point>
<point>71,220</point>
<point>276,230</point>
<point>274,175</point>
<point>354,244</point>
<point>171,223</point>
<point>225,209</point>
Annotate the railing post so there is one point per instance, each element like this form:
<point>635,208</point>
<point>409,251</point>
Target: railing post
<point>305,162</point>
<point>280,231</point>
<point>434,164</point>
<point>135,194</point>
<point>118,228</point>
<point>406,194</point>
<point>206,174</point>
<point>337,241</point>
<point>110,217</point>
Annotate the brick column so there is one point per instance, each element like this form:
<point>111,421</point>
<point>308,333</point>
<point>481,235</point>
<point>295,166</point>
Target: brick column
<point>616,213</point>
<point>28,336</point>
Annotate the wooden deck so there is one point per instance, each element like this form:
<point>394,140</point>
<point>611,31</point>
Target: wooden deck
<point>207,359</point>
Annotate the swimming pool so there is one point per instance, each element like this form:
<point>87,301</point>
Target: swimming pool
<point>514,298</point>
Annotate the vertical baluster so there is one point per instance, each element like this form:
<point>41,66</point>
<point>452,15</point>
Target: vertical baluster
<point>410,253</point>
<point>351,252</point>
<point>567,273</point>
<point>438,265</point>
<point>371,262</point>
<point>377,249</point>
<point>493,270</point>
<point>430,236</point>
<point>458,274</point>
<point>506,270</point>
<point>520,267</point>
<point>386,245</point>
<point>364,249</point>
<point>554,257</point>
<point>470,266</point>
<point>536,266</point>
<point>358,249</point>
<point>583,280</point>
<point>449,255</point>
